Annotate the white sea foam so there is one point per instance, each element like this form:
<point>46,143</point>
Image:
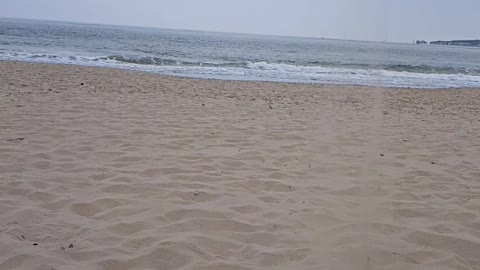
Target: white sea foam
<point>263,71</point>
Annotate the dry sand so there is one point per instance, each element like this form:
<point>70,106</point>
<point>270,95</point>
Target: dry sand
<point>140,171</point>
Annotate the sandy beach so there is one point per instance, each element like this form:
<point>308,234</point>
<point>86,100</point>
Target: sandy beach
<point>116,170</point>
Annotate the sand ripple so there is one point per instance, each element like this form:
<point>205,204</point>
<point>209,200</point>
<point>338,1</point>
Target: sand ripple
<point>137,171</point>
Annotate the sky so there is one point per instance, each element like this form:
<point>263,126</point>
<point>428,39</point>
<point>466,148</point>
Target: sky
<point>378,20</point>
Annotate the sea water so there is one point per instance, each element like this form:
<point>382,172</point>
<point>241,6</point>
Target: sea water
<point>229,56</point>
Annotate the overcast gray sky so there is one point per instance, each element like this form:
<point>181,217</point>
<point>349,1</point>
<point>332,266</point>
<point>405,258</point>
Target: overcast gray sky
<point>383,20</point>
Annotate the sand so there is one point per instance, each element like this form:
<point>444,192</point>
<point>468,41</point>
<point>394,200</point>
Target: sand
<point>110,169</point>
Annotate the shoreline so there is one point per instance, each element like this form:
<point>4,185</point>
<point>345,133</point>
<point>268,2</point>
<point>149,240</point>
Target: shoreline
<point>239,80</point>
<point>109,169</point>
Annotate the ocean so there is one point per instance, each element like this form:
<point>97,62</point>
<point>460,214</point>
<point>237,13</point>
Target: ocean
<point>230,56</point>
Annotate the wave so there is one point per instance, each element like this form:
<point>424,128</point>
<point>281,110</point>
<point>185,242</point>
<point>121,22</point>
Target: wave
<point>47,58</point>
<point>171,62</point>
<point>432,70</point>
<point>313,72</point>
<point>310,67</point>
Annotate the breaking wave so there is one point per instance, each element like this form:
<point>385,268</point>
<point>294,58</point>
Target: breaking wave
<point>311,67</point>
<point>312,72</point>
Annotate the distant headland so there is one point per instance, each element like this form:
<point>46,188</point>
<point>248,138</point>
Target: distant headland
<point>469,43</point>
